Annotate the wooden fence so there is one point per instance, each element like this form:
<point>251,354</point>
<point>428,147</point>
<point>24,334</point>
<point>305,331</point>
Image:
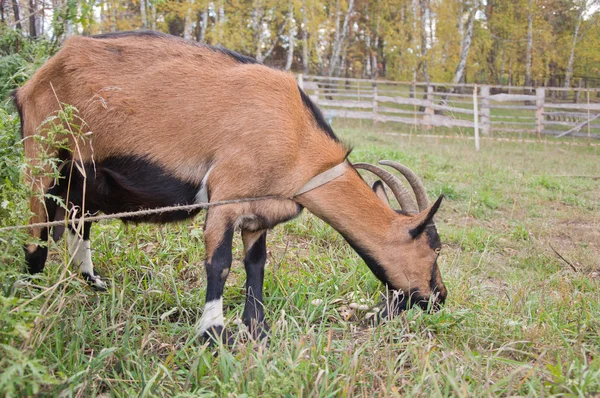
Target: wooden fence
<point>491,110</point>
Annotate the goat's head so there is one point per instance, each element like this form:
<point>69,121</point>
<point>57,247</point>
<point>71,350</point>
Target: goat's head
<point>410,269</point>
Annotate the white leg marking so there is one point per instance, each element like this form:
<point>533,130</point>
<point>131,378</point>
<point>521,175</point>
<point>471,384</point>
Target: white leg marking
<point>212,315</point>
<point>202,195</point>
<point>82,256</point>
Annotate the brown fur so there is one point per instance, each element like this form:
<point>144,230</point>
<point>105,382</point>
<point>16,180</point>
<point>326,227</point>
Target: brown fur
<point>182,106</point>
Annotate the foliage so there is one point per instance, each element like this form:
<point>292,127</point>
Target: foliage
<point>19,58</point>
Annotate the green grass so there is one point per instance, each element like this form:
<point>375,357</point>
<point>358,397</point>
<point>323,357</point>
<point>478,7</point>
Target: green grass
<point>518,321</point>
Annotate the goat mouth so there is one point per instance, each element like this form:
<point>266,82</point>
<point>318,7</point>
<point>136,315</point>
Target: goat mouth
<point>396,301</point>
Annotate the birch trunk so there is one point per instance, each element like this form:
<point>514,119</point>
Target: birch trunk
<point>202,37</point>
<point>275,40</point>
<point>367,72</point>
<point>257,15</point>
<point>464,52</point>
<point>305,53</point>
<point>221,21</point>
<point>569,71</point>
<point>424,51</point>
<point>529,44</point>
<point>291,38</point>
<point>413,45</point>
<point>188,25</point>
<point>143,14</point>
<point>340,38</point>
<point>374,53</point>
<point>153,8</point>
<point>113,17</point>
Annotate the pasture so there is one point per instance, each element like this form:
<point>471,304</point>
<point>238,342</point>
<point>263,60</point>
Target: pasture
<point>519,320</point>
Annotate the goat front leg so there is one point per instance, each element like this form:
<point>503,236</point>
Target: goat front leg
<point>218,237</point>
<point>255,248</point>
<point>81,252</point>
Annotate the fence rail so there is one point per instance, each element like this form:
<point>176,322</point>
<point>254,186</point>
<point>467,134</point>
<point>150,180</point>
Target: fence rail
<point>491,109</point>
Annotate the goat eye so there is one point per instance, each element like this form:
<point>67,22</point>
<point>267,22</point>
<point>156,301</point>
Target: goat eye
<point>438,250</point>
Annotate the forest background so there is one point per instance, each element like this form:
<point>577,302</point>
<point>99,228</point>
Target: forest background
<point>516,42</point>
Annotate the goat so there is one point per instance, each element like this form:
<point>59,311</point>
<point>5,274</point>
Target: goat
<point>177,122</point>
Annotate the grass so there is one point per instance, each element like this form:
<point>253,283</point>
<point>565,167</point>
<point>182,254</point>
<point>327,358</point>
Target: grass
<point>518,321</point>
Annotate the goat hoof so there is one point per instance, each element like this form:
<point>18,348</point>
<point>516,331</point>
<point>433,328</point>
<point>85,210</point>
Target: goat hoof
<point>216,335</point>
<point>95,282</point>
<point>258,331</point>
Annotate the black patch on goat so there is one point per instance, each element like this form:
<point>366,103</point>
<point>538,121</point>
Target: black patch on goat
<point>433,286</point>
<point>36,259</point>
<point>242,59</point>
<point>129,183</point>
<point>316,113</point>
<point>135,33</point>
<point>375,267</point>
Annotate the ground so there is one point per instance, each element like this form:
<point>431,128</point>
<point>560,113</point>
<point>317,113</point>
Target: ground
<point>519,320</point>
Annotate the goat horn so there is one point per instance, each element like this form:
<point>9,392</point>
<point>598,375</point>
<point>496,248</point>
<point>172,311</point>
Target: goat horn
<point>413,180</point>
<point>400,192</point>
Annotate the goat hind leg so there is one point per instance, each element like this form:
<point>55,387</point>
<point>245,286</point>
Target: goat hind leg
<point>218,238</point>
<point>255,248</point>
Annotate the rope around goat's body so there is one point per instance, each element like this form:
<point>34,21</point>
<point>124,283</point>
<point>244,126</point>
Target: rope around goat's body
<point>315,182</point>
<point>145,212</point>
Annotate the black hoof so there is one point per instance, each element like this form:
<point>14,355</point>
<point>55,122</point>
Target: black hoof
<point>216,335</point>
<point>95,282</point>
<point>257,330</point>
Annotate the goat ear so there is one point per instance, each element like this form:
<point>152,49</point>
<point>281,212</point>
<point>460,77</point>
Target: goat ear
<point>424,218</point>
<point>379,190</point>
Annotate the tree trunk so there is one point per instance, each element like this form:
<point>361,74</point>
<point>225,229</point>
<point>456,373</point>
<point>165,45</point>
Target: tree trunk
<point>2,19</point>
<point>187,25</point>
<point>305,53</point>
<point>153,8</point>
<point>291,38</point>
<point>529,44</point>
<point>424,4</point>
<point>15,4</point>
<point>413,45</point>
<point>275,40</point>
<point>257,16</point>
<point>340,38</point>
<point>367,71</point>
<point>221,21</point>
<point>204,22</point>
<point>464,52</point>
<point>143,13</point>
<point>569,71</point>
<point>113,16</point>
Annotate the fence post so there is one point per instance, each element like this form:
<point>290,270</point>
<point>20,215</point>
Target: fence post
<point>428,108</point>
<point>540,95</point>
<point>476,117</point>
<point>486,123</point>
<point>301,81</point>
<point>375,106</point>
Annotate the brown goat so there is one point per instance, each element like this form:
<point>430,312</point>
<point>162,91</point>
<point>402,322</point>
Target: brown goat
<point>175,122</point>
